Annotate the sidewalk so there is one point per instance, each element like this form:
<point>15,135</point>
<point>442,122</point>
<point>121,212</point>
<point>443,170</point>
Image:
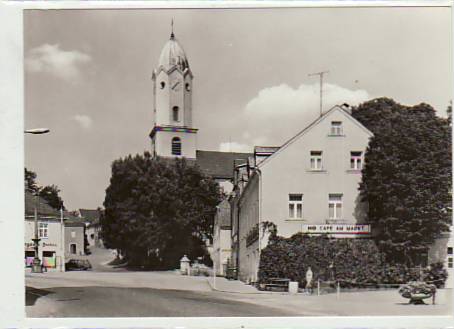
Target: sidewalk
<point>234,286</point>
<point>170,280</point>
<point>221,284</point>
<point>357,303</point>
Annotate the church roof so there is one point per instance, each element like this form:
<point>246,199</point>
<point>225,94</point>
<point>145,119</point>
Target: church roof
<point>173,55</point>
<point>219,164</point>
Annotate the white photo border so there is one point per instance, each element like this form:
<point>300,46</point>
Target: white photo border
<point>12,301</point>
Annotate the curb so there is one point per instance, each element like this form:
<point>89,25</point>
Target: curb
<point>247,293</point>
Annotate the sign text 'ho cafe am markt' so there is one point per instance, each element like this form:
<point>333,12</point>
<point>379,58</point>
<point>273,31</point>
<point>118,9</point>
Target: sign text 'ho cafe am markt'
<point>360,229</point>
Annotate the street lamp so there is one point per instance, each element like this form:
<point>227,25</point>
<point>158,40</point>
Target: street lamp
<point>36,265</point>
<point>37,131</point>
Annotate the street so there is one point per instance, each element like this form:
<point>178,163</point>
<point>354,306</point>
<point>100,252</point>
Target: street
<point>144,302</point>
<point>117,292</point>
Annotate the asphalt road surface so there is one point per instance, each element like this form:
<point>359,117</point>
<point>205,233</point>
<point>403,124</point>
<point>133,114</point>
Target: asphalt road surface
<point>138,302</point>
<point>109,291</point>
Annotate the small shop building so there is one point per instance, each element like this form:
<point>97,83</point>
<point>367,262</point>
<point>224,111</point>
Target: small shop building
<point>47,223</point>
<point>74,238</point>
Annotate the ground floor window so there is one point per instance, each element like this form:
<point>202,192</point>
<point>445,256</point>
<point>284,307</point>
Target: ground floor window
<point>29,256</point>
<point>49,259</point>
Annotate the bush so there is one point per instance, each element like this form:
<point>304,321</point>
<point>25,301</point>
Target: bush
<point>351,262</point>
<point>436,274</point>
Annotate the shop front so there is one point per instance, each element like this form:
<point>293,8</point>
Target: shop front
<point>50,250</point>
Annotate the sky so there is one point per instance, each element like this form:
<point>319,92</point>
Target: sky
<point>88,78</point>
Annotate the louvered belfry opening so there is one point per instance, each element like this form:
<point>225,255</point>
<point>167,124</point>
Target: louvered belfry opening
<point>176,146</point>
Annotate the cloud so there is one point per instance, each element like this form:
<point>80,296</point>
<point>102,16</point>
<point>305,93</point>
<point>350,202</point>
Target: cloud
<point>83,120</point>
<point>60,63</point>
<point>277,113</point>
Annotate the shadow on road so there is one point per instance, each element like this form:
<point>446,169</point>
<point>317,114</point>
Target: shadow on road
<point>32,295</point>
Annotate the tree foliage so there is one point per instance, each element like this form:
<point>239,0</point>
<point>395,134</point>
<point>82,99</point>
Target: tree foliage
<point>407,176</point>
<point>156,211</point>
<point>351,262</point>
<point>30,181</point>
<point>50,193</point>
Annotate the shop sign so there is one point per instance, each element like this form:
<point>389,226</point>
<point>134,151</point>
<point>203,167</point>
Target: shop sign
<point>49,244</point>
<point>337,229</point>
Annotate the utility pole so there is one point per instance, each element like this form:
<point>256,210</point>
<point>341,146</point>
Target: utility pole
<point>36,266</point>
<point>320,74</point>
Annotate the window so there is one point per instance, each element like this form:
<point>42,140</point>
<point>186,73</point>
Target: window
<point>316,160</point>
<point>163,84</point>
<point>356,162</point>
<point>175,113</point>
<point>73,248</point>
<point>449,250</point>
<point>73,234</point>
<point>176,146</point>
<point>188,87</point>
<point>336,128</point>
<point>335,206</point>
<point>295,206</point>
<point>449,262</point>
<point>43,230</point>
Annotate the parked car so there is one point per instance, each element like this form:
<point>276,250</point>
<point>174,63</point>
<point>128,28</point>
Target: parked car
<point>77,265</point>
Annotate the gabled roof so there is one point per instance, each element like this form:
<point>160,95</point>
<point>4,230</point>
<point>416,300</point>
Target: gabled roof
<point>313,124</point>
<point>90,215</point>
<point>32,202</point>
<point>45,211</point>
<point>74,223</point>
<point>219,164</point>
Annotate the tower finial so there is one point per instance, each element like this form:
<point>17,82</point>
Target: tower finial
<point>172,35</point>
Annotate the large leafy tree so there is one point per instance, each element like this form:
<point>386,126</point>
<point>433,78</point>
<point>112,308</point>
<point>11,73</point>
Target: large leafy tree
<point>407,177</point>
<point>50,193</point>
<point>156,211</point>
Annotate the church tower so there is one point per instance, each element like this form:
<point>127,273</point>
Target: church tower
<point>172,135</point>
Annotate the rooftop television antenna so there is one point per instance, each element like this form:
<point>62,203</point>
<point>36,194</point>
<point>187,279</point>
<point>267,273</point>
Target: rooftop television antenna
<point>320,74</point>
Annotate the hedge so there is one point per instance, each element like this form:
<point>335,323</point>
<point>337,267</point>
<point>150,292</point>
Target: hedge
<point>351,262</point>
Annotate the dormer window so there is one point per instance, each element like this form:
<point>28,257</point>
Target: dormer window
<point>336,128</point>
<point>176,114</point>
<point>163,84</point>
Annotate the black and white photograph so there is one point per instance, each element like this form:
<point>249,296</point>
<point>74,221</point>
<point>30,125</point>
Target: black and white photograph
<point>237,162</point>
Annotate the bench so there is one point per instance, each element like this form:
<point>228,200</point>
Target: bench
<point>279,283</point>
